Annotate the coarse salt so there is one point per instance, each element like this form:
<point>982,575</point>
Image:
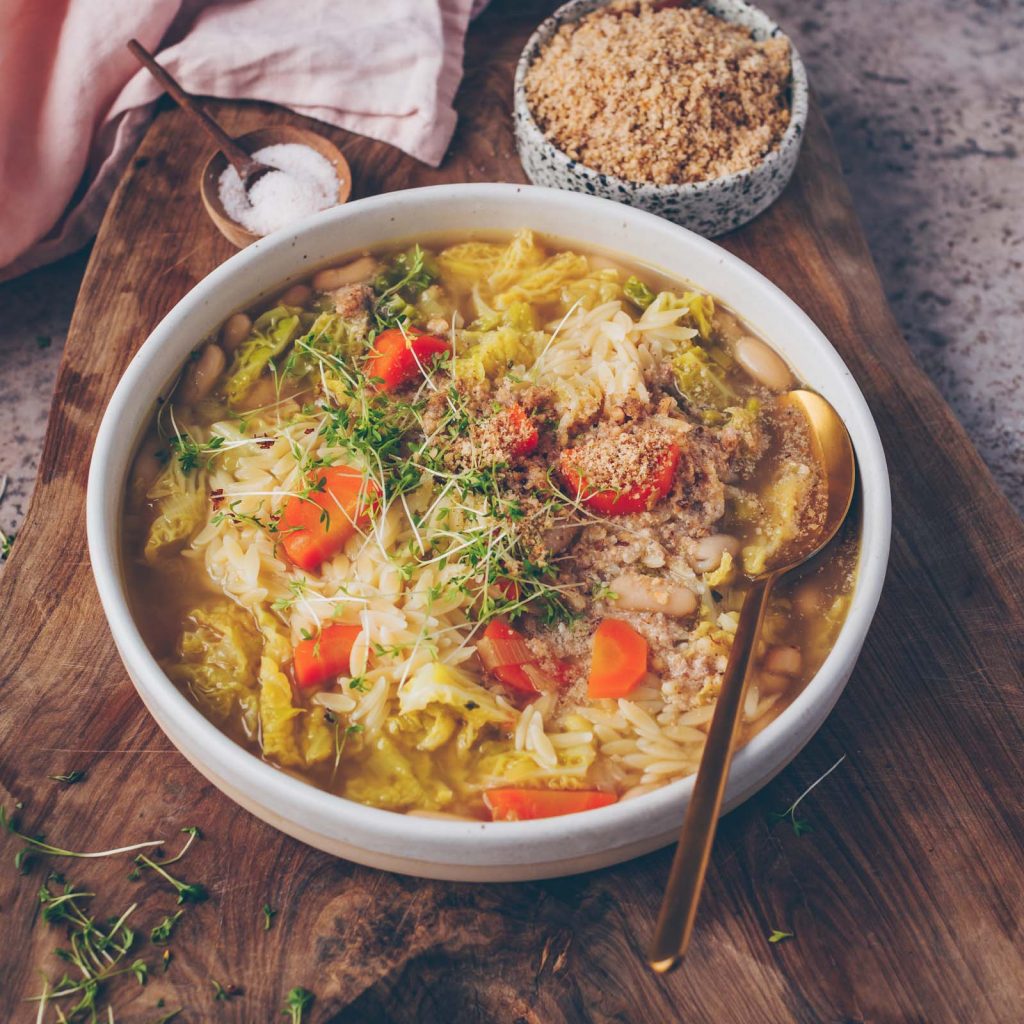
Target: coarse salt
<point>303,183</point>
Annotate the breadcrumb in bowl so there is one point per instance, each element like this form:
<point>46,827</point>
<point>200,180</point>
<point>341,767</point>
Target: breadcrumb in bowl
<point>742,105</point>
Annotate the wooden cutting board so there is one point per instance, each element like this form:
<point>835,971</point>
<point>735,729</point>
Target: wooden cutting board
<point>906,901</point>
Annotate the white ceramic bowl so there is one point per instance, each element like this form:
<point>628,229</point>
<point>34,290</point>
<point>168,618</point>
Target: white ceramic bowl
<point>710,207</point>
<point>474,851</point>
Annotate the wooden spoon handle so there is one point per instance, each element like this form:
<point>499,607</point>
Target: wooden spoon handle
<point>239,159</point>
<point>686,877</point>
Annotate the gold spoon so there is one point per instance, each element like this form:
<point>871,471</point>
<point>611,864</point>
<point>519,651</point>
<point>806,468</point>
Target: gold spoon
<point>833,451</point>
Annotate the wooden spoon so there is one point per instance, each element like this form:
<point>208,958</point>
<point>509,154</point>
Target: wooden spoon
<point>249,170</point>
<point>834,453</point>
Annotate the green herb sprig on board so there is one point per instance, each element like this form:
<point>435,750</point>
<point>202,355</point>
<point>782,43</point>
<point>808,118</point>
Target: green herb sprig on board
<point>100,949</point>
<point>296,1003</point>
<point>801,825</point>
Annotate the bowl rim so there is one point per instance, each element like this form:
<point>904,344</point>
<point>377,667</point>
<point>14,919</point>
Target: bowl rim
<point>386,833</point>
<point>732,182</point>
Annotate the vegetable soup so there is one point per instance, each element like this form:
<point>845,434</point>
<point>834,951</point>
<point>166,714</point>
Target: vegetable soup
<point>463,527</point>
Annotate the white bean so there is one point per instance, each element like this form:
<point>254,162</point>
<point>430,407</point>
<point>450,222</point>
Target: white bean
<point>708,551</point>
<point>771,682</point>
<point>262,393</point>
<point>235,330</point>
<point>604,263</point>
<point>638,593</point>
<point>809,599</point>
<point>147,467</point>
<point>201,375</point>
<point>358,270</point>
<point>297,295</point>
<point>763,364</point>
<point>783,661</point>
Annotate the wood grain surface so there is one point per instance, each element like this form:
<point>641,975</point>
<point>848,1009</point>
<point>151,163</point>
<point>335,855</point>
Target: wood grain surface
<point>906,901</point>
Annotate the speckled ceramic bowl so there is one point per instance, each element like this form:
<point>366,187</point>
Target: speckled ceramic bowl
<point>708,207</point>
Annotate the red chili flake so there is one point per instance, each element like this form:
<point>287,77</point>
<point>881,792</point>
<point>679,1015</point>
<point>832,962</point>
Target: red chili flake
<point>309,430</point>
<point>265,442</point>
<point>217,497</point>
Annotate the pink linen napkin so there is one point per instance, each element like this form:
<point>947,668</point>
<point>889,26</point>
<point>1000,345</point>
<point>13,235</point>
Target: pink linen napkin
<point>74,104</point>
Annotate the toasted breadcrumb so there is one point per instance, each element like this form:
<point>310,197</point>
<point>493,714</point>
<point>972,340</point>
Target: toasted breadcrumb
<point>667,95</point>
<point>616,458</point>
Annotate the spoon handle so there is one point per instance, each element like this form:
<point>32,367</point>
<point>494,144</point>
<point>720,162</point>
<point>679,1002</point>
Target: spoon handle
<point>239,159</point>
<point>686,877</point>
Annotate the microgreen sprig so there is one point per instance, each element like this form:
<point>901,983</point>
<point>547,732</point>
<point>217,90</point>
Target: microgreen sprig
<point>801,825</point>
<point>269,913</point>
<point>296,1003</point>
<point>96,952</point>
<point>162,932</point>
<point>37,843</point>
<point>192,453</point>
<point>188,892</point>
<point>407,273</point>
<point>222,993</point>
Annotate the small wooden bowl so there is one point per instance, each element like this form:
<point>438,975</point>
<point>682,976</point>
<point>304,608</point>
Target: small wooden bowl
<point>279,134</point>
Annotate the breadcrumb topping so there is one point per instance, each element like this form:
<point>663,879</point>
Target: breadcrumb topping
<point>667,95</point>
<point>617,458</point>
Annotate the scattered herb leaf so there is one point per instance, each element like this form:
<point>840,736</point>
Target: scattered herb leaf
<point>187,892</point>
<point>162,932</point>
<point>167,1017</point>
<point>296,1003</point>
<point>222,994</point>
<point>268,916</point>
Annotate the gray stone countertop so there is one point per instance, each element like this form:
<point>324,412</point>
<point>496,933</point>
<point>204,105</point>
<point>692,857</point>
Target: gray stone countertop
<point>925,100</point>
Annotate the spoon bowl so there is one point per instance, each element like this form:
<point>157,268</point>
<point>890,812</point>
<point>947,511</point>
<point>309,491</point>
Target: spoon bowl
<point>833,451</point>
<point>209,180</point>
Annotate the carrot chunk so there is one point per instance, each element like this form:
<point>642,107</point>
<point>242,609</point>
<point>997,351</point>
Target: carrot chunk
<point>316,527</point>
<point>505,654</point>
<point>523,804</point>
<point>638,498</point>
<point>619,660</point>
<point>521,430</point>
<point>398,357</point>
<point>326,656</point>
